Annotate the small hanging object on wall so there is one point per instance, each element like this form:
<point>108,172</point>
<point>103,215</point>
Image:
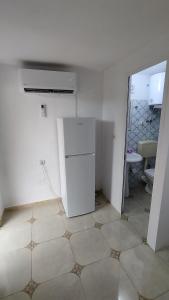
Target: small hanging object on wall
<point>43,110</point>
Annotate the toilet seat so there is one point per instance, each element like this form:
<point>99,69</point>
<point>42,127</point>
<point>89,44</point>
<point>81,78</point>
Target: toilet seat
<point>150,174</point>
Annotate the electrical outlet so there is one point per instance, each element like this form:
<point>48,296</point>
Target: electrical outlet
<point>42,162</point>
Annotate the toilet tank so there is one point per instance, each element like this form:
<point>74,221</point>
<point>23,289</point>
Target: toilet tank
<point>147,148</point>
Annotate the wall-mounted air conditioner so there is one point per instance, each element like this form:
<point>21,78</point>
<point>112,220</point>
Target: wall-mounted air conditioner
<point>48,82</point>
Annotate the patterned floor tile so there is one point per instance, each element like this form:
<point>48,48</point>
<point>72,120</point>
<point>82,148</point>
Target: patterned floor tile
<point>31,220</point>
<point>15,271</point>
<point>67,235</point>
<point>115,254</point>
<point>80,223</point>
<point>147,271</point>
<point>14,238</point>
<point>106,280</point>
<point>64,287</point>
<point>98,225</point>
<point>31,245</point>
<point>51,259</point>
<point>18,296</point>
<point>106,214</point>
<point>48,228</point>
<point>89,246</point>
<point>77,269</point>
<point>30,287</point>
<point>124,217</point>
<point>120,235</point>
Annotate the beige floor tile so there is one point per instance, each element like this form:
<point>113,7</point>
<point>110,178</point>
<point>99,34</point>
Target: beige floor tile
<point>147,271</point>
<point>48,228</point>
<point>164,297</point>
<point>89,246</point>
<point>105,280</point>
<point>132,207</point>
<point>16,217</point>
<point>19,296</point>
<point>61,207</point>
<point>15,238</point>
<point>15,271</point>
<point>106,214</point>
<point>79,223</point>
<point>65,287</point>
<point>46,208</point>
<point>164,254</point>
<point>120,236</point>
<point>51,259</point>
<point>140,224</point>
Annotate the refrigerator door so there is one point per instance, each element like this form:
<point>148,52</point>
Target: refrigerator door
<point>79,135</point>
<point>80,181</point>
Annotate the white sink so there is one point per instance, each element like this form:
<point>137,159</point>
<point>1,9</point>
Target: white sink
<point>133,157</point>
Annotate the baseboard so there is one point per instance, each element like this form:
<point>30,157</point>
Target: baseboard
<point>1,219</point>
<point>31,204</point>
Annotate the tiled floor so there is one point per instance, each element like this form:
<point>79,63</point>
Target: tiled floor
<point>46,256</point>
<point>137,208</point>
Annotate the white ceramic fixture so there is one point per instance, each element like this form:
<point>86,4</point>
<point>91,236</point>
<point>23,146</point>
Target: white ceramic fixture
<point>157,88</point>
<point>76,139</point>
<point>130,158</point>
<point>133,157</point>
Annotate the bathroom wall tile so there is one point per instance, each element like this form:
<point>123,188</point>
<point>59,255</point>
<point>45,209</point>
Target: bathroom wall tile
<point>140,130</point>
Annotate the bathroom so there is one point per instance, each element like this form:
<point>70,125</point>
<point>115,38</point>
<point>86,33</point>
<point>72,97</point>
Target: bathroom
<point>146,89</point>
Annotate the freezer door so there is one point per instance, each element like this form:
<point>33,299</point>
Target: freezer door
<point>80,181</point>
<point>79,135</point>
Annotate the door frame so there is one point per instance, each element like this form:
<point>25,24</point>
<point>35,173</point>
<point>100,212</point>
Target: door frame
<point>125,145</point>
<point>127,120</point>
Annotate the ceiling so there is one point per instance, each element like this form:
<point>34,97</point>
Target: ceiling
<point>88,33</point>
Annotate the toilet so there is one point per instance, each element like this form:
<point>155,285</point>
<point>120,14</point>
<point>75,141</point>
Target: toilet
<point>148,150</point>
<point>149,178</point>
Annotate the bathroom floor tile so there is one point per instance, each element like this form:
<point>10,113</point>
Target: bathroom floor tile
<point>106,214</point>
<point>79,223</point>
<point>15,271</point>
<point>89,246</point>
<point>120,236</point>
<point>14,238</point>
<point>46,208</point>
<point>164,254</point>
<point>164,297</point>
<point>147,271</point>
<point>132,207</point>
<point>51,259</point>
<point>64,287</point>
<point>48,228</point>
<point>106,280</point>
<point>19,296</point>
<point>140,224</point>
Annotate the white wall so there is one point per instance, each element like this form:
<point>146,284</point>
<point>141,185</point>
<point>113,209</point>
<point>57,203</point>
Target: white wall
<point>114,112</point>
<point>26,137</point>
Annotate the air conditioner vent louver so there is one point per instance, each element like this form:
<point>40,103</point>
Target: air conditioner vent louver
<point>48,91</point>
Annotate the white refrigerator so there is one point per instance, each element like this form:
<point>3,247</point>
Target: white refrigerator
<point>76,143</point>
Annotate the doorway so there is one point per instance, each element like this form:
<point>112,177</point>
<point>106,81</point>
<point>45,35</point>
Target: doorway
<point>145,102</point>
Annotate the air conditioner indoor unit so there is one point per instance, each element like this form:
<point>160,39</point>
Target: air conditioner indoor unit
<point>48,82</point>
